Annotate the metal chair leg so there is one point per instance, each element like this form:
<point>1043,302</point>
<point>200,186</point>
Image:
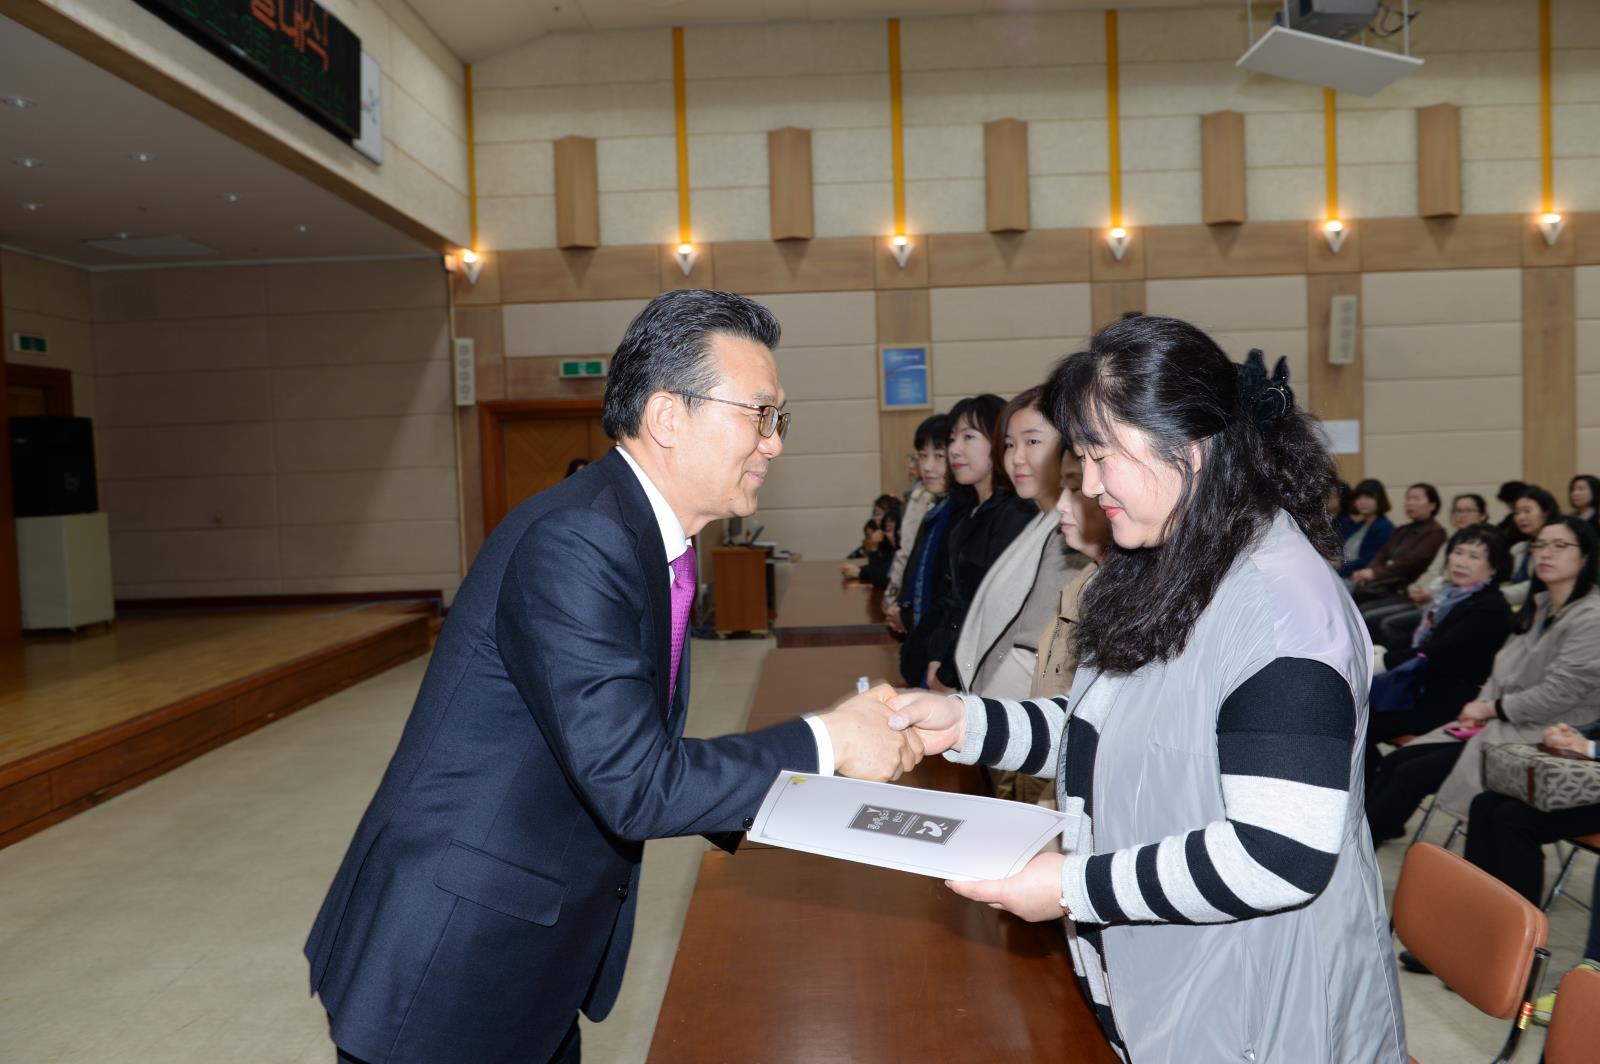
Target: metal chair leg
<point>1530,994</point>
<point>1459,829</point>
<point>1422,828</point>
<point>1561,877</point>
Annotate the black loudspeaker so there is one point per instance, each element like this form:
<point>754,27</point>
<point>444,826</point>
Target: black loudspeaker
<point>52,466</point>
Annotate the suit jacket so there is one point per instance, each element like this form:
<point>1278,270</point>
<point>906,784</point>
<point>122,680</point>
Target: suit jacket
<point>489,892</point>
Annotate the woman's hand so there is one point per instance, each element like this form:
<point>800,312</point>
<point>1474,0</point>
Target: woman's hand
<point>1419,594</point>
<point>1033,893</point>
<point>1360,576</point>
<point>939,719</point>
<point>933,681</point>
<point>850,572</point>
<point>1475,713</point>
<point>1561,737</point>
<point>891,617</point>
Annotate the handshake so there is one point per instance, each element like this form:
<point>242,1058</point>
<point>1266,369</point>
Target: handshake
<point>884,733</point>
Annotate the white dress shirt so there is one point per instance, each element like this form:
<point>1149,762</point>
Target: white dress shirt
<point>675,544</point>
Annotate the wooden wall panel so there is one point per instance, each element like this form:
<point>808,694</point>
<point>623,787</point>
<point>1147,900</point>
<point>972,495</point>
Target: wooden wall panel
<point>1042,256</point>
<point>484,326</point>
<point>1585,230</point>
<point>577,193</point>
<point>1109,300</point>
<point>1336,392</point>
<point>888,273</point>
<point>539,377</point>
<point>834,265</point>
<point>486,293</point>
<point>1439,161</point>
<point>1535,252</point>
<point>1222,169</point>
<point>1479,241</point>
<point>1549,375</point>
<point>1253,249</point>
<point>903,316</point>
<point>1321,259</point>
<point>1104,266</point>
<point>702,275</point>
<point>789,183</point>
<point>1005,175</point>
<point>550,275</point>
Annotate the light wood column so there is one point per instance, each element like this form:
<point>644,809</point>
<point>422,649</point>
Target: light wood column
<point>1005,175</point>
<point>1336,392</point>
<point>903,317</point>
<point>577,193</point>
<point>789,183</point>
<point>1439,161</point>
<point>1549,377</point>
<point>1222,175</point>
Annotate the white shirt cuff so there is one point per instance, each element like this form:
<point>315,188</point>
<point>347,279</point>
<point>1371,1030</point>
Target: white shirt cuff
<point>824,744</point>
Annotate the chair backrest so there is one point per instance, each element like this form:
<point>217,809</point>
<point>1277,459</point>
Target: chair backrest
<point>1473,931</point>
<point>1575,1025</point>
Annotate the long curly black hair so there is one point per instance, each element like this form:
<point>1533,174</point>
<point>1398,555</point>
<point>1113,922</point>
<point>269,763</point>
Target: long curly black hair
<point>1258,454</point>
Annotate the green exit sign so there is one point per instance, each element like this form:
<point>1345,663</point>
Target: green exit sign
<point>29,343</point>
<point>583,367</point>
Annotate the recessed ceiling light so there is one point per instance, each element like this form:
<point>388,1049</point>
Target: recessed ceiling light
<point>230,197</point>
<point>302,228</point>
<point>142,156</point>
<point>31,205</point>
<point>28,162</point>
<point>21,103</point>
<point>123,236</point>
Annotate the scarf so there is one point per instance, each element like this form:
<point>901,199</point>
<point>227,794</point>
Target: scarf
<point>1444,601</point>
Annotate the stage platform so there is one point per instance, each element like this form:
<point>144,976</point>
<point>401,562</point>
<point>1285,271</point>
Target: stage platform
<point>86,717</point>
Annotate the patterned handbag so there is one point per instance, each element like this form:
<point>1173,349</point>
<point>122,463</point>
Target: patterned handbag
<point>1544,781</point>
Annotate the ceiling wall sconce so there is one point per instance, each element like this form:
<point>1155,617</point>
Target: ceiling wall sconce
<point>1117,240</point>
<point>1550,224</point>
<point>471,265</point>
<point>686,256</point>
<point>1334,231</point>
<point>900,248</point>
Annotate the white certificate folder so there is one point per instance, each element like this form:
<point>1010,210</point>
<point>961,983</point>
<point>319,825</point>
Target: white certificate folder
<point>931,833</point>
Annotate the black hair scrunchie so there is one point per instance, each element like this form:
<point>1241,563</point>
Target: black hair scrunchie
<point>1264,399</point>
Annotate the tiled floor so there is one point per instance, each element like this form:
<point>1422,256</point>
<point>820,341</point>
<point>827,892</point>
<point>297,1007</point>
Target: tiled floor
<point>165,926</point>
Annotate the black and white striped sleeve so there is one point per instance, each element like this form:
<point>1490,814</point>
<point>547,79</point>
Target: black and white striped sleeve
<point>1014,736</point>
<point>1284,740</point>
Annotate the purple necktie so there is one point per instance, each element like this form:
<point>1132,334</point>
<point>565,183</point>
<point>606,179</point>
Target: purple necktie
<point>683,588</point>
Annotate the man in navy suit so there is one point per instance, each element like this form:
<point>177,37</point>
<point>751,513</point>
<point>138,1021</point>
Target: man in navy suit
<point>489,892</point>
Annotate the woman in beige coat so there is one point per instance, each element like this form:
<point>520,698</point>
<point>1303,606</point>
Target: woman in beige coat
<point>1548,672</point>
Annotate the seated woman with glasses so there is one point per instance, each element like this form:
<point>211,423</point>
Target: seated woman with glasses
<point>1547,672</point>
<point>1530,512</point>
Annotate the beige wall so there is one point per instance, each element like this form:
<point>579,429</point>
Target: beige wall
<point>424,172</point>
<point>52,300</point>
<point>1049,70</point>
<point>277,429</point>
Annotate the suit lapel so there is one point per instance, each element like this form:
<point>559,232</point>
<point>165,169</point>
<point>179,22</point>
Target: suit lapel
<point>652,554</point>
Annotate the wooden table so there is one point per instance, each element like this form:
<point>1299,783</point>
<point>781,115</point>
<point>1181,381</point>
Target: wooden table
<point>820,610</point>
<point>790,958</point>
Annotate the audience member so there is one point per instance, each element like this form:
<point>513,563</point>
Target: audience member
<point>1583,495</point>
<point>1339,509</point>
<point>1508,495</point>
<point>987,517</point>
<point>1530,512</point>
<point>1409,550</point>
<point>874,567</point>
<point>1393,620</point>
<point>1368,528</point>
<point>1506,838</point>
<point>573,466</point>
<point>927,492</point>
<point>1464,626</point>
<point>998,648</point>
<point>1548,671</point>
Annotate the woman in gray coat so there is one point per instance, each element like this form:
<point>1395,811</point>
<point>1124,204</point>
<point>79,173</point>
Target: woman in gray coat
<point>1224,895</point>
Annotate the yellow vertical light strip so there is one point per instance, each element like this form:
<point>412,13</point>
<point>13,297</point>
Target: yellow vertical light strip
<point>897,142</point>
<point>680,106</point>
<point>1113,119</point>
<point>1330,151</point>
<point>472,164</point>
<point>1547,179</point>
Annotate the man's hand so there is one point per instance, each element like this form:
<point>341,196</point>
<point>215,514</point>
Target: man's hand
<point>864,746</point>
<point>939,720</point>
<point>1566,737</point>
<point>1033,893</point>
<point>932,681</point>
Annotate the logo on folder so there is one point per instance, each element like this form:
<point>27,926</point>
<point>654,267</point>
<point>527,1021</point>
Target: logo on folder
<point>905,823</point>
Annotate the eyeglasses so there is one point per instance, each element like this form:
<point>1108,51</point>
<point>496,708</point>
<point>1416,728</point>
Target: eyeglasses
<point>1557,545</point>
<point>769,420</point>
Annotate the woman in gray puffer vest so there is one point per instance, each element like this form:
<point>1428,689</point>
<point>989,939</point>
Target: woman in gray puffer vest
<point>1223,895</point>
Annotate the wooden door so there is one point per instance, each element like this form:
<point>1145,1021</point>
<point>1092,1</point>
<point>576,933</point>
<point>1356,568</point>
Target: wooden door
<point>37,391</point>
<point>528,444</point>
